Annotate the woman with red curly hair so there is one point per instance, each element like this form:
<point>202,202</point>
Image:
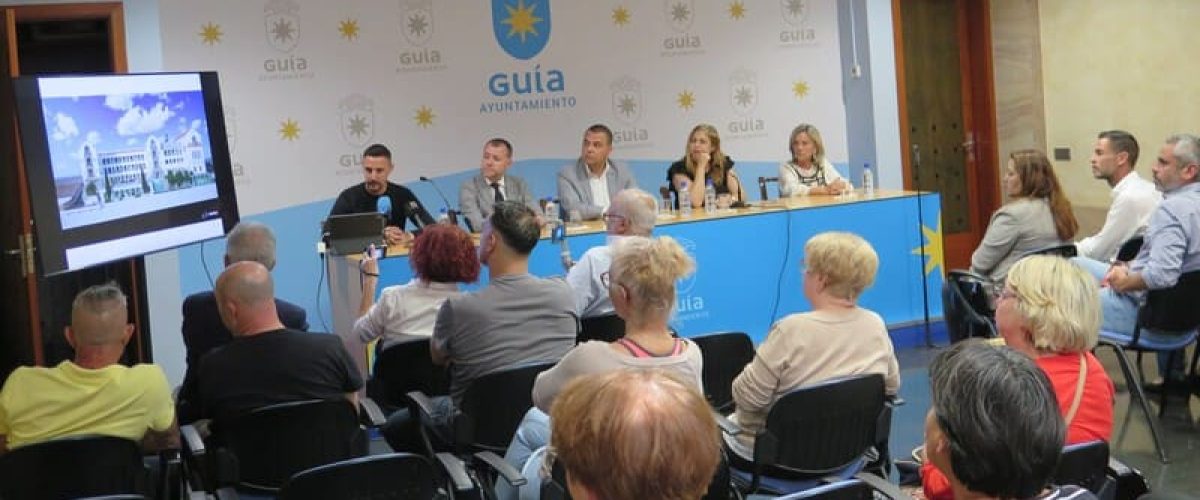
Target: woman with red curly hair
<point>442,257</point>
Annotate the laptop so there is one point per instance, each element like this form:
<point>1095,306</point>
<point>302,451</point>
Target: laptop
<point>353,233</point>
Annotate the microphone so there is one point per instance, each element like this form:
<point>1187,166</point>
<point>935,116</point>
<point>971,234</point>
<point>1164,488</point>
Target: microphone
<point>414,213</point>
<point>558,234</point>
<point>445,201</point>
<point>383,205</point>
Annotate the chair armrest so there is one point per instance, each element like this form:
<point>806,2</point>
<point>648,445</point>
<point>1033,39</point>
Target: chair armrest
<point>455,471</point>
<point>193,445</point>
<point>371,415</point>
<point>421,402</point>
<point>505,469</point>
<point>727,426</point>
<point>894,401</point>
<point>882,485</point>
<point>970,274</point>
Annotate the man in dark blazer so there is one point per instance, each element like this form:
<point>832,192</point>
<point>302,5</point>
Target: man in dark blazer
<point>202,327</point>
<point>590,184</point>
<point>478,195</point>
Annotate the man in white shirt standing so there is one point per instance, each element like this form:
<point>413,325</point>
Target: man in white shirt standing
<point>632,213</point>
<point>1133,198</point>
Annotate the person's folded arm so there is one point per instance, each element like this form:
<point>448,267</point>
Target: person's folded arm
<point>755,388</point>
<point>1165,262</point>
<point>168,439</point>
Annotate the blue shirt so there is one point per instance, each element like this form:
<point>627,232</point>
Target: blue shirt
<point>1172,241</point>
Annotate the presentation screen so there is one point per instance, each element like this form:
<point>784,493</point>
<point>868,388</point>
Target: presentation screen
<point>123,165</point>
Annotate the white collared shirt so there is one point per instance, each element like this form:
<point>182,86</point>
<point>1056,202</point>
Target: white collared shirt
<point>1134,199</point>
<point>404,312</point>
<point>599,185</point>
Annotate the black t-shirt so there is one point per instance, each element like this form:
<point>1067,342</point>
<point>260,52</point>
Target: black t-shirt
<point>680,167</point>
<point>274,367</point>
<point>355,199</point>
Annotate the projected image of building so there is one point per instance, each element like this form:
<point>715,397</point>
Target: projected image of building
<point>161,165</point>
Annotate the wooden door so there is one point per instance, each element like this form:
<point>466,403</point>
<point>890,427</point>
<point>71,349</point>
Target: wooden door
<point>947,114</point>
<point>35,308</point>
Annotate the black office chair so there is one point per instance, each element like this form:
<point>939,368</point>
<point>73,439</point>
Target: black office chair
<point>967,305</point>
<point>721,487</point>
<point>73,467</point>
<point>1084,465</point>
<point>266,446</point>
<point>394,475</point>
<point>607,328</point>
<point>862,488</point>
<point>1175,309</point>
<point>1130,249</point>
<point>1065,250</point>
<point>813,433</point>
<point>725,354</point>
<point>404,368</point>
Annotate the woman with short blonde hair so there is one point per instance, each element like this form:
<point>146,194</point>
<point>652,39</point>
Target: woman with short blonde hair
<point>808,171</point>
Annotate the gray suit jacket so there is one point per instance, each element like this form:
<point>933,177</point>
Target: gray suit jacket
<point>475,198</point>
<point>575,192</point>
<point>1018,227</point>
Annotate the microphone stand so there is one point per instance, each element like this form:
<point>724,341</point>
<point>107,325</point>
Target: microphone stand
<point>450,212</point>
<point>921,239</point>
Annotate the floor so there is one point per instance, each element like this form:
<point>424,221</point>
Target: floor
<point>1131,443</point>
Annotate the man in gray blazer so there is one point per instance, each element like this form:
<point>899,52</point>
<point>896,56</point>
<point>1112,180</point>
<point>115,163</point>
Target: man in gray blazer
<point>478,195</point>
<point>590,184</point>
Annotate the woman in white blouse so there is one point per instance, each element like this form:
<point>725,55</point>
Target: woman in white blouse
<point>442,257</point>
<point>809,172</point>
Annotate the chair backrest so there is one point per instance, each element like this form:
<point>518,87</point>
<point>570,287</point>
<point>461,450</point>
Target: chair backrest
<point>1065,250</point>
<point>607,328</point>
<point>403,368</point>
<point>1130,249</point>
<point>720,488</point>
<point>966,306</point>
<point>73,467</point>
<point>822,427</point>
<point>725,354</point>
<point>1174,309</point>
<point>274,442</point>
<point>493,405</point>
<point>395,475</point>
<point>1083,465</point>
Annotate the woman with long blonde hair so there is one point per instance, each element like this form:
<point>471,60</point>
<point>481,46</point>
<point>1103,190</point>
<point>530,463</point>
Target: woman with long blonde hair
<point>704,161</point>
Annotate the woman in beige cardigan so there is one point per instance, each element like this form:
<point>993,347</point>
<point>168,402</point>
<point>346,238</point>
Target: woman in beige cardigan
<point>836,339</point>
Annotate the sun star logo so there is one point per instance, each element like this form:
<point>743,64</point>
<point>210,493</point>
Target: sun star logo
<point>356,114</point>
<point>680,14</point>
<point>743,91</point>
<point>794,11</point>
<point>416,21</point>
<point>521,27</point>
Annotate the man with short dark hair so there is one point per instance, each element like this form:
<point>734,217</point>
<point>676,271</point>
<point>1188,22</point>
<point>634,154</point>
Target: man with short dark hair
<point>401,204</point>
<point>478,195</point>
<point>517,318</point>
<point>1133,198</point>
<point>994,427</point>
<point>203,331</point>
<point>267,363</point>
<point>94,393</point>
<point>589,185</point>
<point>633,212</point>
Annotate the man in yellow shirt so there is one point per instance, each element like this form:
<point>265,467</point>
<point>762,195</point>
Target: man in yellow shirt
<point>94,393</point>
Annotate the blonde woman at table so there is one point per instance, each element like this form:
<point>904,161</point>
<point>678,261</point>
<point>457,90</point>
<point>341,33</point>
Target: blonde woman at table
<point>809,172</point>
<point>704,161</point>
<point>1037,215</point>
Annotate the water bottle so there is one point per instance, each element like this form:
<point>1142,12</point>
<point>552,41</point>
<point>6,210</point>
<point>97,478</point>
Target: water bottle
<point>684,196</point>
<point>444,217</point>
<point>551,210</point>
<point>710,197</point>
<point>868,181</point>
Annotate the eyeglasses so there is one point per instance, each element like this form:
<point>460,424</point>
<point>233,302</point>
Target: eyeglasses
<point>608,216</point>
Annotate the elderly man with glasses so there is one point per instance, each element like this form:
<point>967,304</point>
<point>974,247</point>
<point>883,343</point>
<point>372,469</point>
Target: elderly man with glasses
<point>632,213</point>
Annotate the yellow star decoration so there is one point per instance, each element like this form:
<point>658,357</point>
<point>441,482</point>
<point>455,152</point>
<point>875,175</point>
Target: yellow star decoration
<point>521,20</point>
<point>348,28</point>
<point>737,9</point>
<point>800,89</point>
<point>620,16</point>
<point>424,116</point>
<point>932,249</point>
<point>686,100</point>
<point>210,33</point>
<point>289,130</point>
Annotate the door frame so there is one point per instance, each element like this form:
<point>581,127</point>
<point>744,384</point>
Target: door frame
<point>979,119</point>
<point>113,13</point>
